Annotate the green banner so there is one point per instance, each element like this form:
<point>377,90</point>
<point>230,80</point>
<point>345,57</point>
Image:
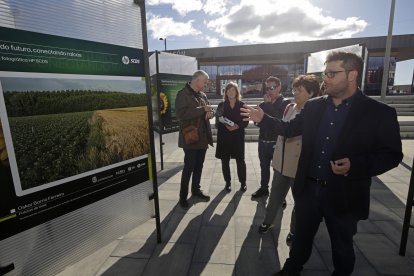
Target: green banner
<point>23,51</point>
<point>170,84</point>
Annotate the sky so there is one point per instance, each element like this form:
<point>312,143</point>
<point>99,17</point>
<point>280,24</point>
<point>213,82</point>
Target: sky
<point>215,23</point>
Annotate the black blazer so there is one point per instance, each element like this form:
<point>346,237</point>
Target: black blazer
<point>230,144</point>
<point>370,138</point>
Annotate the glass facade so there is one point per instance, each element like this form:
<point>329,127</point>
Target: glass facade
<point>250,78</point>
<point>373,75</point>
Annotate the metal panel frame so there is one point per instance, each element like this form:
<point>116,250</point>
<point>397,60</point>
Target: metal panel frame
<point>47,248</point>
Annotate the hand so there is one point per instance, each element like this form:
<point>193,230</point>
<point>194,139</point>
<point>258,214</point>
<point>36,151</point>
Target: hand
<point>209,115</point>
<point>232,128</point>
<point>267,98</point>
<point>252,114</point>
<point>341,166</point>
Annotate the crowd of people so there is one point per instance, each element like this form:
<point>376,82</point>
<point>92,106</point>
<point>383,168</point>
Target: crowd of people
<point>325,146</point>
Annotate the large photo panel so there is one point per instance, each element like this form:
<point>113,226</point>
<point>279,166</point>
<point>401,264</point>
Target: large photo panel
<point>74,121</point>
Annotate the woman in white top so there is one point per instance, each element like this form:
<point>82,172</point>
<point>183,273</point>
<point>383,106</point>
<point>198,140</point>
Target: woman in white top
<point>287,152</point>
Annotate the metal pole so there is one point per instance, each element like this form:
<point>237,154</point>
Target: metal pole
<point>153,165</point>
<point>165,43</point>
<point>385,73</point>
<point>412,84</point>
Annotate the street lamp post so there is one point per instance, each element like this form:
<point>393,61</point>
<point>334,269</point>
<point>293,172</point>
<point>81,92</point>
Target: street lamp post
<point>385,73</point>
<point>165,43</point>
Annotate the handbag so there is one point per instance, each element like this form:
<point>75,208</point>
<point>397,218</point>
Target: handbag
<point>190,134</point>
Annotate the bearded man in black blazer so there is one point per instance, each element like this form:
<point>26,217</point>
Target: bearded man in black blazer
<point>347,138</point>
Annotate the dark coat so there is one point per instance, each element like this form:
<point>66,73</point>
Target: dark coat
<point>190,111</point>
<point>370,138</point>
<point>230,144</point>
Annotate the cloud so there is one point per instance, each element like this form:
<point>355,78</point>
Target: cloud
<point>280,21</point>
<point>166,26</point>
<point>212,41</point>
<point>181,6</point>
<point>213,7</point>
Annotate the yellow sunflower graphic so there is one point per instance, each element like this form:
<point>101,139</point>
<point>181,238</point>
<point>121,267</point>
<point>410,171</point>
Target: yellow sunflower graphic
<point>163,103</point>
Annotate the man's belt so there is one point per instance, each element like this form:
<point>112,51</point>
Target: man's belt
<point>317,180</point>
<point>267,141</point>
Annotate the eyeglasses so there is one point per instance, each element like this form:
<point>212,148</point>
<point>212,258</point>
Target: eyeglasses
<point>332,74</point>
<point>273,87</point>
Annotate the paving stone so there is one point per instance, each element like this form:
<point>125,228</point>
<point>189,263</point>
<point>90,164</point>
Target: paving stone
<point>183,228</point>
<point>383,254</point>
<point>134,249</point>
<point>115,266</point>
<point>379,211</point>
<point>247,234</point>
<point>215,245</point>
<point>170,259</point>
<point>256,261</point>
<point>90,265</point>
<point>208,269</point>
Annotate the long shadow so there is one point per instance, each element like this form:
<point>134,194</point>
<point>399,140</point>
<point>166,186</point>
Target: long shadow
<point>169,223</point>
<point>212,232</point>
<point>258,254</point>
<point>175,258</point>
<point>181,256</point>
<point>145,251</point>
<point>169,171</point>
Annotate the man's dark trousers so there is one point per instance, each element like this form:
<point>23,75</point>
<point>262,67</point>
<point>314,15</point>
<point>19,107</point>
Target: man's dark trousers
<point>193,164</point>
<point>265,156</point>
<point>311,206</point>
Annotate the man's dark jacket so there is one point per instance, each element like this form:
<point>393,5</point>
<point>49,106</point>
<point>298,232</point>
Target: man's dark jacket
<point>190,111</point>
<point>370,138</point>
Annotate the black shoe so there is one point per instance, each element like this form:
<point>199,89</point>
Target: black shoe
<point>263,228</point>
<point>243,187</point>
<point>228,187</point>
<point>199,194</point>
<point>284,204</point>
<point>289,239</point>
<point>184,203</point>
<point>261,192</point>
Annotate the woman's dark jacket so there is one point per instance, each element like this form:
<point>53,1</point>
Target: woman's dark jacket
<point>230,144</point>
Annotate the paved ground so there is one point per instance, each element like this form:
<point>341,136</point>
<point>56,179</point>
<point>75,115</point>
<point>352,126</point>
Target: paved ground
<point>221,238</point>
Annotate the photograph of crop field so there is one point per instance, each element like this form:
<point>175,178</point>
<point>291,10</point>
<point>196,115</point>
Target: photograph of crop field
<point>65,127</point>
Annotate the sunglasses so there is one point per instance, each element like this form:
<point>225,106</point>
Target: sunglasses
<point>273,87</point>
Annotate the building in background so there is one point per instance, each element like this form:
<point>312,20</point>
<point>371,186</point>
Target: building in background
<point>250,65</point>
